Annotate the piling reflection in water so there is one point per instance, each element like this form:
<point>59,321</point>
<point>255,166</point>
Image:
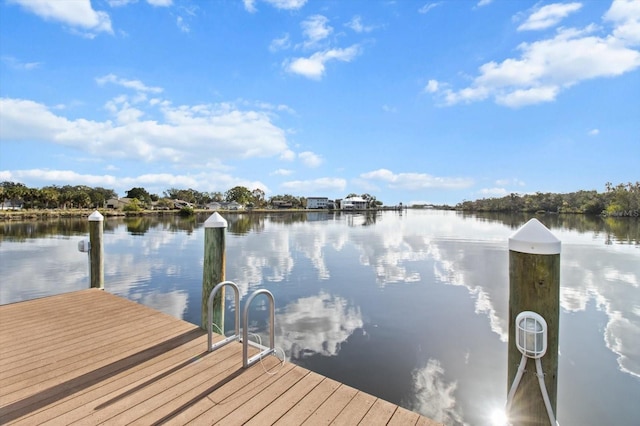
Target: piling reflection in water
<point>411,307</point>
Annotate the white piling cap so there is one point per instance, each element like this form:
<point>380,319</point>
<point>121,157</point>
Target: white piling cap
<point>534,238</point>
<point>215,221</point>
<point>96,217</point>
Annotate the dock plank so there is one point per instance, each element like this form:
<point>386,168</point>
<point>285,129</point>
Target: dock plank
<point>89,357</point>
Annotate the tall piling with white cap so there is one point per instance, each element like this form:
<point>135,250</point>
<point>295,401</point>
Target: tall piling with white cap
<point>96,250</point>
<point>214,268</point>
<point>534,285</point>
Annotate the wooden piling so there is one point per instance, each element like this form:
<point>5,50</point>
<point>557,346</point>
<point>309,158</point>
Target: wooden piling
<point>534,285</point>
<point>214,268</point>
<point>96,250</point>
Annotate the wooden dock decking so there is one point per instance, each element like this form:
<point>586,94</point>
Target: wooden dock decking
<point>89,357</point>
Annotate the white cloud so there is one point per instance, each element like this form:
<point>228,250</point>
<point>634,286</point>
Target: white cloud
<point>534,95</point>
<point>282,172</point>
<point>185,135</point>
<point>76,14</point>
<point>288,155</point>
<point>548,66</point>
<point>160,3</point>
<point>625,15</point>
<point>316,185</point>
<point>356,25</point>
<point>287,4</point>
<point>493,192</point>
<point>432,86</point>
<point>549,16</point>
<point>129,84</point>
<point>313,67</point>
<point>119,3</point>
<point>427,7</point>
<point>510,182</point>
<point>250,6</point>
<point>415,181</point>
<point>281,43</point>
<point>315,28</point>
<point>594,132</point>
<point>182,25</point>
<point>310,159</point>
<point>19,65</point>
<point>484,3</point>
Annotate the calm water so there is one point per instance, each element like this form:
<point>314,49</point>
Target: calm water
<point>410,306</point>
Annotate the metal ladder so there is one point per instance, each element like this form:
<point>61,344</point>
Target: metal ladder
<point>247,362</point>
<point>264,350</point>
<point>236,336</point>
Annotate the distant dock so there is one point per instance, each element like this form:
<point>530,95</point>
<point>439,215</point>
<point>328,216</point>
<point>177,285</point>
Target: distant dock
<point>89,357</point>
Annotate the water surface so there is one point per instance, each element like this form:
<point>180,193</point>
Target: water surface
<point>409,306</point>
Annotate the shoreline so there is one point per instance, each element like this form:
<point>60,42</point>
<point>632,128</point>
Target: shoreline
<point>52,214</point>
<point>37,214</point>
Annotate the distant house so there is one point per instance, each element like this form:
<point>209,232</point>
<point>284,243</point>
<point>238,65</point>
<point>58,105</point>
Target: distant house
<point>117,203</point>
<point>11,205</point>
<point>179,204</point>
<point>278,204</point>
<point>317,202</point>
<point>224,205</point>
<point>353,203</point>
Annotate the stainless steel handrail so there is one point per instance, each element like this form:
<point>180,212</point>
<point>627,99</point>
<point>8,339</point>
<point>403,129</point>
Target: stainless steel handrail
<point>236,336</point>
<point>247,362</point>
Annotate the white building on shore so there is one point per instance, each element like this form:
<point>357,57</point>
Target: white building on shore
<point>317,202</point>
<point>353,203</point>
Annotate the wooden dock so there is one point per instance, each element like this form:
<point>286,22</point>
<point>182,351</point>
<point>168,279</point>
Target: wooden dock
<point>89,357</point>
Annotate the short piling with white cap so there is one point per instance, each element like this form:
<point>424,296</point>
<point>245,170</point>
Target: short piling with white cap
<point>96,250</point>
<point>214,268</point>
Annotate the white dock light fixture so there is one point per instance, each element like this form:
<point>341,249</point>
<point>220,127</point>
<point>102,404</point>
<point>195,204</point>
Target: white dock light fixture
<point>531,341</point>
<point>531,334</point>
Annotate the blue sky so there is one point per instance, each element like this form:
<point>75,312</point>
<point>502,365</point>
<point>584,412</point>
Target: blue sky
<point>410,101</point>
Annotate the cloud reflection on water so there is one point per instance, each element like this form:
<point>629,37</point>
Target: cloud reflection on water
<point>589,275</point>
<point>316,324</point>
<point>433,396</point>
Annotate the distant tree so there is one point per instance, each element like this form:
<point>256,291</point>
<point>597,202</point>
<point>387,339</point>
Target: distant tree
<point>258,197</point>
<point>99,196</point>
<point>30,196</point>
<point>134,205</point>
<point>139,193</point>
<point>49,196</point>
<point>217,196</point>
<point>239,194</point>
<point>65,196</point>
<point>80,199</point>
<point>370,199</point>
<point>188,195</point>
<point>296,202</point>
<point>12,191</point>
<point>165,203</point>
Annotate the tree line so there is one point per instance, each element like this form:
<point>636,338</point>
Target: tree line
<point>618,200</point>
<point>81,197</point>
